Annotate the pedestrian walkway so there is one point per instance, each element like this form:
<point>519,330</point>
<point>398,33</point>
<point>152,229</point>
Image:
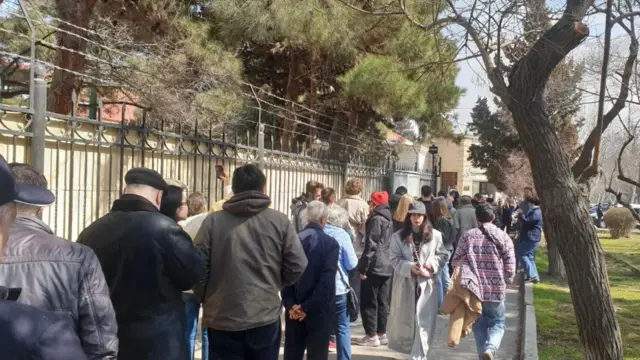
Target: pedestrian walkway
<point>466,350</point>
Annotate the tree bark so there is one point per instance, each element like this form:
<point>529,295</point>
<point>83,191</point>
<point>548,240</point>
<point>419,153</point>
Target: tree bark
<point>76,12</point>
<point>556,265</point>
<point>564,207</point>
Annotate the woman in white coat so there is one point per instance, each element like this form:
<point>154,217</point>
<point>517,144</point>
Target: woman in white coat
<point>417,253</point>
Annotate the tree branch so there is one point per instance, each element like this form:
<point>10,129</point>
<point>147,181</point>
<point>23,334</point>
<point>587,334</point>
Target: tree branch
<point>581,165</point>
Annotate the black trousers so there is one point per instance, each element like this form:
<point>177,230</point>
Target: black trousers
<point>261,343</point>
<point>311,334</point>
<point>374,304</point>
<point>354,282</point>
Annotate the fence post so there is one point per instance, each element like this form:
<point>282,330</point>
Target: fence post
<point>261,146</point>
<point>38,123</point>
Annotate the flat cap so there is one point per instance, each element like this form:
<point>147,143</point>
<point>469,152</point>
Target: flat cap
<point>417,207</point>
<point>144,176</point>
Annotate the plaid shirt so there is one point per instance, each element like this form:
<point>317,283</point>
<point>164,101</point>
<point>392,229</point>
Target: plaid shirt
<point>487,268</point>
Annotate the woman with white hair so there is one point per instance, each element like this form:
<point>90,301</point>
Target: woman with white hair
<point>347,261</point>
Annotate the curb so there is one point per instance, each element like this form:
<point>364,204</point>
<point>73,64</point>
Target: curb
<point>528,342</point>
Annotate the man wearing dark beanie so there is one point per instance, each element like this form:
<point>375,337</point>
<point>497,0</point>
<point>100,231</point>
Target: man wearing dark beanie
<point>147,260</point>
<point>487,255</point>
<point>375,270</point>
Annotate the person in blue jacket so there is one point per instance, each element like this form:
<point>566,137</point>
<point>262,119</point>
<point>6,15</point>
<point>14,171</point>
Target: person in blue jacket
<point>530,236</point>
<point>310,303</point>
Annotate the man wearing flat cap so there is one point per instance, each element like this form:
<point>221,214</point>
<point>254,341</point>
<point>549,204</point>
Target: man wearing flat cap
<point>148,260</point>
<point>64,277</point>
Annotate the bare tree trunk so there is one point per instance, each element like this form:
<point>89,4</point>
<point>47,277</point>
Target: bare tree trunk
<point>567,220</point>
<point>63,83</point>
<point>556,265</point>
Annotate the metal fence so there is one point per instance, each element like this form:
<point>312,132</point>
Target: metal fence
<point>85,159</point>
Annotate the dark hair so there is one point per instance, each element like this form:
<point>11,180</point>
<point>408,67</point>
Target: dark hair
<point>171,201</point>
<point>442,193</point>
<point>426,191</point>
<point>248,178</point>
<point>490,200</point>
<point>196,203</point>
<point>533,200</point>
<point>466,200</point>
<point>440,209</point>
<point>484,213</point>
<point>426,228</point>
<point>328,196</point>
<point>28,175</point>
<point>401,190</point>
<point>313,186</point>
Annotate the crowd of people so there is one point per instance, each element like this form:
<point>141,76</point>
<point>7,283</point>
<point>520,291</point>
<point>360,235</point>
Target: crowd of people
<point>134,283</point>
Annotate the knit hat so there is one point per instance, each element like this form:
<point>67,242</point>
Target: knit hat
<point>379,198</point>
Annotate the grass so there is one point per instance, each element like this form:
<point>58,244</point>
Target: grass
<point>557,329</point>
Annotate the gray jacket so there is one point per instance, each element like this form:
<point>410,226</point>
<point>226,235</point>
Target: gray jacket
<point>62,277</point>
<point>252,252</point>
<point>465,220</point>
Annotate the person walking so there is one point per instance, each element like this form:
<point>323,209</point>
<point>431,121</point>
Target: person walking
<point>530,236</point>
<point>443,222</point>
<point>375,271</point>
<point>27,332</point>
<point>465,216</point>
<point>64,277</point>
<point>487,261</point>
<point>417,254</point>
<point>252,252</point>
<point>507,215</point>
<point>310,302</point>
<point>148,260</point>
<point>313,191</point>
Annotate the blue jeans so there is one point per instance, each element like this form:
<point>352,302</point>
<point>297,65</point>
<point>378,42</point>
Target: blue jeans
<point>192,308</point>
<point>527,257</point>
<point>489,327</point>
<point>444,280</point>
<point>343,328</point>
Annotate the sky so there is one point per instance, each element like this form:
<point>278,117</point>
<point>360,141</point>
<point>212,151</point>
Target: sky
<point>472,78</point>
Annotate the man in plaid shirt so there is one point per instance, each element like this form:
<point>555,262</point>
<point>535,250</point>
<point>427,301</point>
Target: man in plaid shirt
<point>487,261</point>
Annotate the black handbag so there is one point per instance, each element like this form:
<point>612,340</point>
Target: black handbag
<point>353,306</point>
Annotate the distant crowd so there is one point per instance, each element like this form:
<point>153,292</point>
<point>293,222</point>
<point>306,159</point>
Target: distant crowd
<point>134,283</point>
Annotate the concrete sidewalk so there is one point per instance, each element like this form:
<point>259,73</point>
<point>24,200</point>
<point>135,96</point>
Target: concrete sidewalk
<point>466,350</point>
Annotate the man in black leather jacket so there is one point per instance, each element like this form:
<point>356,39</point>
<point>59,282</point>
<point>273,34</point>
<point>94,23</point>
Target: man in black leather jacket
<point>63,277</point>
<point>148,260</point>
<point>25,331</point>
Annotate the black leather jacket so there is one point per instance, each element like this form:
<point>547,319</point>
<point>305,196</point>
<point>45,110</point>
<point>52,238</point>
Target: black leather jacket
<point>148,260</point>
<point>64,278</point>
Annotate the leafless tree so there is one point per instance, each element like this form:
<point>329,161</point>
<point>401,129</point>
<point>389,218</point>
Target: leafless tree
<point>487,28</point>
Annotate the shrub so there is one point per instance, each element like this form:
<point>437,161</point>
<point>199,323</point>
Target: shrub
<point>620,222</point>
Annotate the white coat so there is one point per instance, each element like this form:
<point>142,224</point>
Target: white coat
<point>412,323</point>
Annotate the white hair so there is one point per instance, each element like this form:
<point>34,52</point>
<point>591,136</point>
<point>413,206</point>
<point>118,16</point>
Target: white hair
<point>316,210</point>
<point>337,216</point>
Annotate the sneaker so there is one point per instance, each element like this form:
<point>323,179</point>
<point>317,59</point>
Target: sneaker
<point>332,347</point>
<point>372,341</point>
<point>535,280</point>
<point>488,355</point>
<point>383,339</point>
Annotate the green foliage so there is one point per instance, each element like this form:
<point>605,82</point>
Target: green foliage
<point>620,222</point>
<point>497,140</point>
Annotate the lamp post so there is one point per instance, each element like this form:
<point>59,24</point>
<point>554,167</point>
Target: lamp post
<point>433,150</point>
